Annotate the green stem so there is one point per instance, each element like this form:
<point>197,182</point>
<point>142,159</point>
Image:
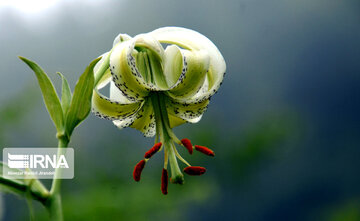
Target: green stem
<point>63,143</point>
<point>41,196</point>
<point>162,122</point>
<point>53,204</point>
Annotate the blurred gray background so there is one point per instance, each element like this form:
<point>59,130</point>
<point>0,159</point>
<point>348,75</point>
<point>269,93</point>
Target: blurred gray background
<point>285,124</point>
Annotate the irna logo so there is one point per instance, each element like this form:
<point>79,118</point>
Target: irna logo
<point>22,161</point>
<point>25,163</point>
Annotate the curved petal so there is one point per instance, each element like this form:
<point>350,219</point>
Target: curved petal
<point>195,66</point>
<point>106,108</point>
<point>125,74</point>
<point>192,40</point>
<point>203,90</point>
<point>150,67</point>
<point>149,42</point>
<point>188,112</point>
<point>195,120</point>
<point>174,69</point>
<point>124,70</point>
<point>145,120</point>
<point>104,80</point>
<point>117,95</point>
<point>126,122</point>
<point>153,53</point>
<point>121,38</point>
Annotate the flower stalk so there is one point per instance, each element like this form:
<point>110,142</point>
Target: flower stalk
<point>53,204</point>
<point>66,115</point>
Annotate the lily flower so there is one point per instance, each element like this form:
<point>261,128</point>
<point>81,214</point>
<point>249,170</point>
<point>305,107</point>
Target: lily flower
<point>153,90</point>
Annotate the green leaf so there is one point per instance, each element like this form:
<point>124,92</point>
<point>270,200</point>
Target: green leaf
<point>81,101</point>
<point>25,186</point>
<point>49,94</point>
<point>65,94</point>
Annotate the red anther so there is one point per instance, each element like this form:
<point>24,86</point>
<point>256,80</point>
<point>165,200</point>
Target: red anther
<point>164,181</point>
<point>195,171</point>
<point>187,144</point>
<point>137,170</point>
<point>153,150</point>
<point>204,150</point>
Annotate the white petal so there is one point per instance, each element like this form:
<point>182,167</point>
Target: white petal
<point>145,120</point>
<point>126,122</point>
<point>195,66</point>
<point>125,74</point>
<point>174,70</point>
<point>117,95</point>
<point>121,38</point>
<point>104,80</point>
<point>203,90</point>
<point>188,112</point>
<point>195,120</point>
<point>193,40</point>
<point>106,108</point>
<point>148,41</point>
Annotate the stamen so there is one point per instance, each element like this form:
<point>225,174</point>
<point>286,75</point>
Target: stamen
<point>164,181</point>
<point>138,169</point>
<point>172,135</point>
<point>205,150</point>
<point>179,157</point>
<point>187,144</point>
<point>153,150</point>
<point>194,170</point>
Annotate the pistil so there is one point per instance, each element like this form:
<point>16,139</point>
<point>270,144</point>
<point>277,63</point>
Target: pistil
<point>162,123</point>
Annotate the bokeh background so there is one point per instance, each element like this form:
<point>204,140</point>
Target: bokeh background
<point>285,125</point>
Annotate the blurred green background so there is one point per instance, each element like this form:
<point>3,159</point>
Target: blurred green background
<point>285,125</point>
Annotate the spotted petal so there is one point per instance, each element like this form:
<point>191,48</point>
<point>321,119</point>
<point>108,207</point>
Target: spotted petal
<point>189,112</point>
<point>117,107</point>
<point>125,72</point>
<point>142,120</point>
<point>194,41</point>
<point>190,67</point>
<point>113,110</point>
<point>145,120</point>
